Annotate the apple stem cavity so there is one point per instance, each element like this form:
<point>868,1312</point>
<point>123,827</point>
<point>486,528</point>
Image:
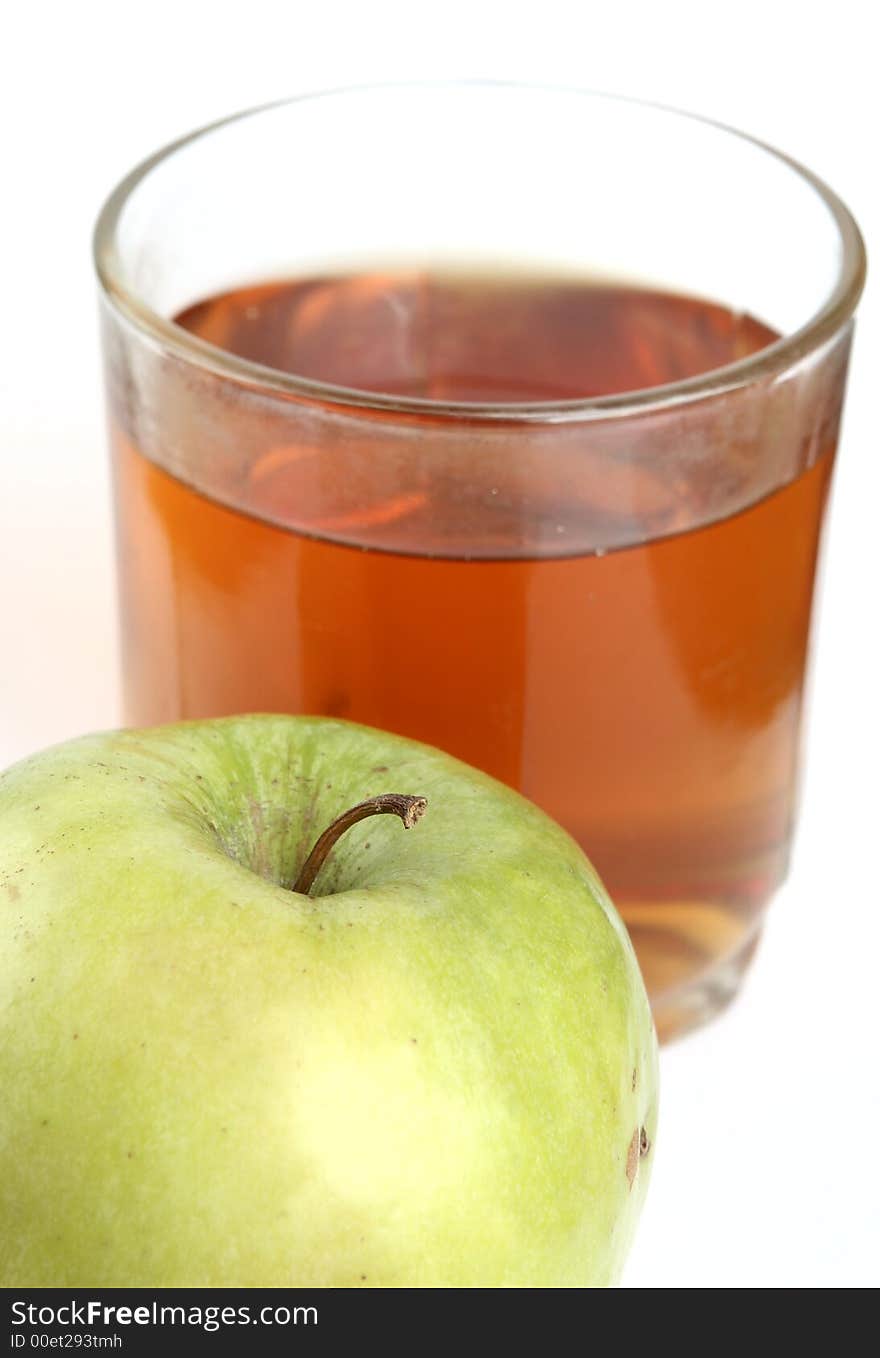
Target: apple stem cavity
<point>409,809</point>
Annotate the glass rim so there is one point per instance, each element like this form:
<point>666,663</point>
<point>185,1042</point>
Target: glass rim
<point>773,359</point>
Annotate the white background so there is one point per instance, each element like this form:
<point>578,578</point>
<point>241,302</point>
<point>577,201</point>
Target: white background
<point>765,1168</point>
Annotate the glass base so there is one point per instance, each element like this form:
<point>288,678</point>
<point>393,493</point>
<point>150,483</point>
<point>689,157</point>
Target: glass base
<point>680,1011</point>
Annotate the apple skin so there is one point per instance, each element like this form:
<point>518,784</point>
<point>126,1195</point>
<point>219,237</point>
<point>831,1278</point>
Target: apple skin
<point>430,1073</point>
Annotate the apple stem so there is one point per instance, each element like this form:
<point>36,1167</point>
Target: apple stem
<point>409,809</point>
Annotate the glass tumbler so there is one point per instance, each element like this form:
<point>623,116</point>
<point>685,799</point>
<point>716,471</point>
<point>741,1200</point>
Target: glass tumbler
<point>597,589</point>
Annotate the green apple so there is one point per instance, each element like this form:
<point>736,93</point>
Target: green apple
<point>437,1069</point>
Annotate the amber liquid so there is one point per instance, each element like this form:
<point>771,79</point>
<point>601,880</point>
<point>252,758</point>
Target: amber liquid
<point>647,697</point>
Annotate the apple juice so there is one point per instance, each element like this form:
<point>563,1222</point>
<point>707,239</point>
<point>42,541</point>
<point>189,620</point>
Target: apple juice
<point>637,676</point>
